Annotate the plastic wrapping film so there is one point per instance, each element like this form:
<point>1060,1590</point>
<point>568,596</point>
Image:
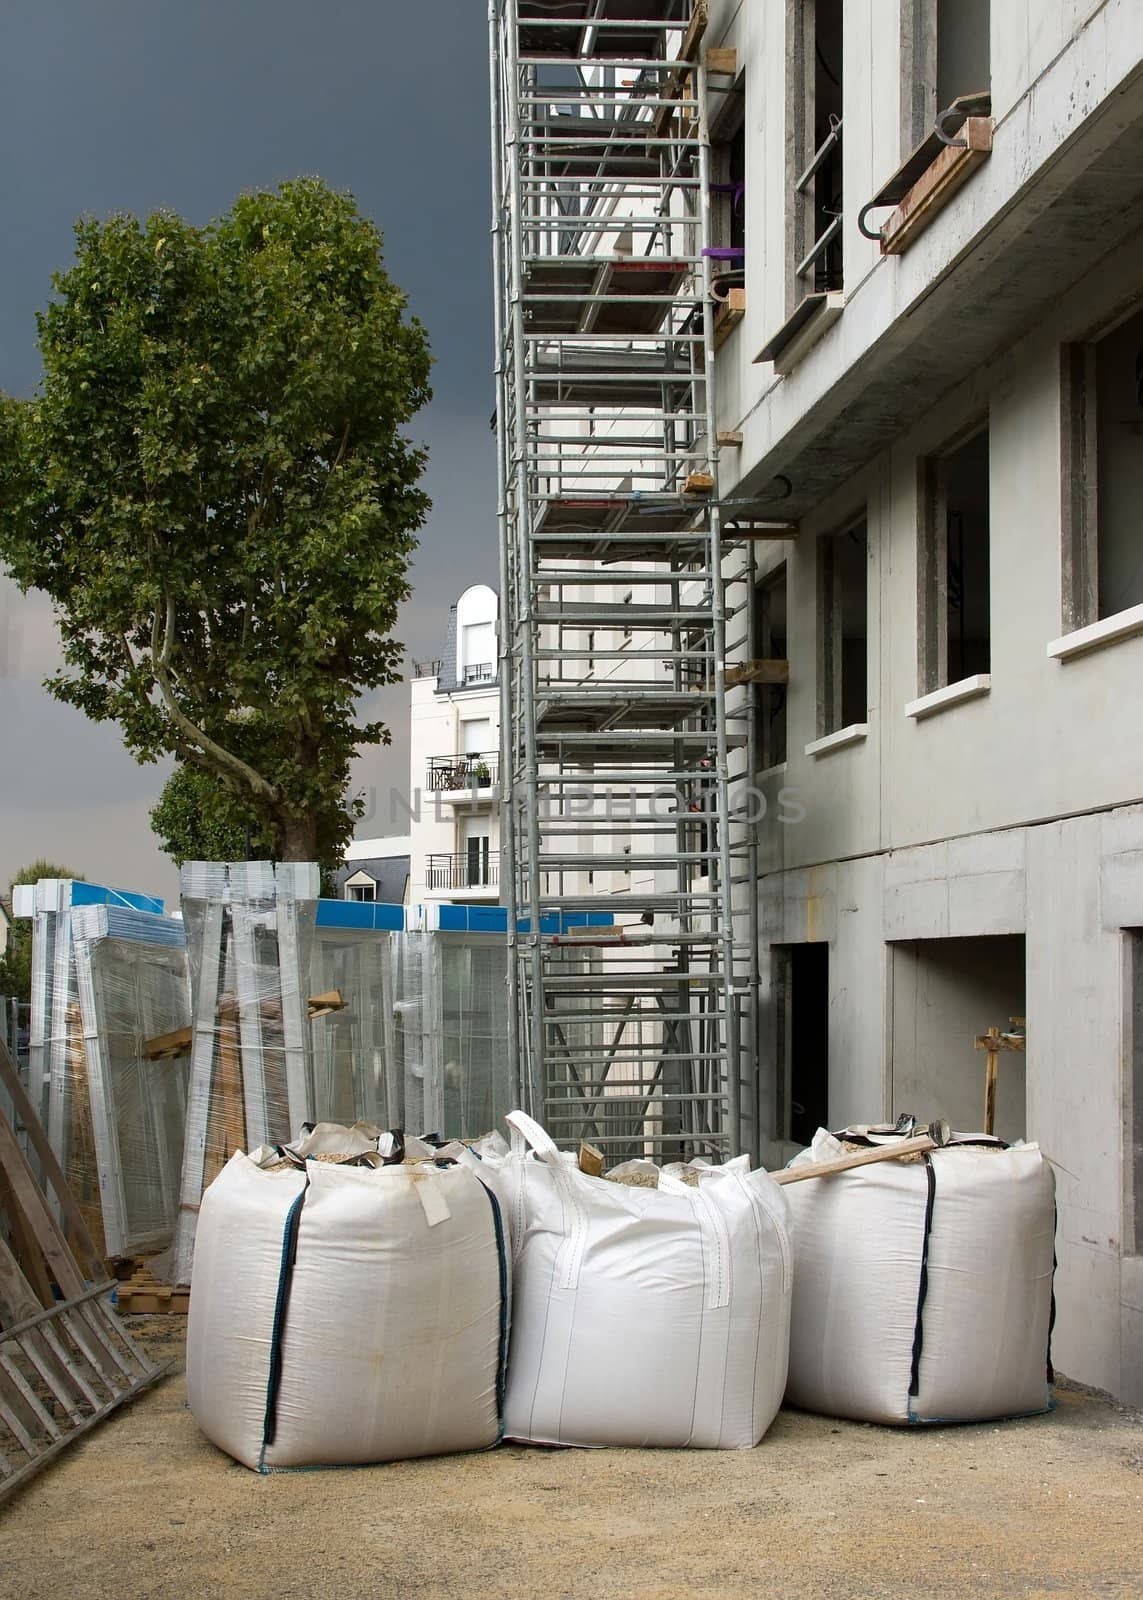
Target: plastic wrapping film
<point>451,1033</point>
<point>250,937</point>
<point>123,1109</point>
<point>478,1091</point>
<point>95,989</point>
<point>354,1032</point>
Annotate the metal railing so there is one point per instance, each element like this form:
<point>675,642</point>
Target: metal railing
<point>479,870</point>
<point>469,771</point>
<point>427,669</point>
<point>816,260</point>
<point>480,672</point>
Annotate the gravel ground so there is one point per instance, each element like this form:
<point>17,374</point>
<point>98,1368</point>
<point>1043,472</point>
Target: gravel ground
<point>145,1507</point>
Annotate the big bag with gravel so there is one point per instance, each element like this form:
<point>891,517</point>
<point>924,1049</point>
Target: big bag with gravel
<point>643,1315</point>
<point>349,1304</point>
<point>923,1286</point>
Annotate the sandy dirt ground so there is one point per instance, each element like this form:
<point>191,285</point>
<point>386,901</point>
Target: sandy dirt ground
<point>145,1507</point>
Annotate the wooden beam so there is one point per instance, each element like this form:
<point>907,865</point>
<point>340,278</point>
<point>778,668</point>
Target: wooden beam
<point>856,1158</point>
<point>698,483</point>
<point>680,84</point>
<point>757,672</point>
<point>166,1046</point>
<point>728,438</point>
<point>722,61</point>
<point>696,28</point>
<point>53,1173</point>
<point>24,1193</point>
<point>728,314</point>
<point>936,186</point>
<point>321,1005</point>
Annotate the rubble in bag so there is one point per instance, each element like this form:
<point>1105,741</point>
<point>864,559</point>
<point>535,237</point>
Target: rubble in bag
<point>344,1313</point>
<point>641,1173</point>
<point>642,1315</point>
<point>923,1285</point>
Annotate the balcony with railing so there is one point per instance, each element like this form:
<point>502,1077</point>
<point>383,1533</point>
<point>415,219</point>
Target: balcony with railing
<point>469,779</point>
<point>472,871</point>
<point>480,672</point>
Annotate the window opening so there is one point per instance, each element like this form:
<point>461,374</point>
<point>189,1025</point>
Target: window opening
<point>955,619</point>
<point>817,253</point>
<point>803,1040</point>
<point>770,599</point>
<point>844,629</point>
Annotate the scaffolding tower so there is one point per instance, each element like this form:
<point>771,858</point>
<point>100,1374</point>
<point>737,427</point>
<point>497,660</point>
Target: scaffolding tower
<point>618,602</point>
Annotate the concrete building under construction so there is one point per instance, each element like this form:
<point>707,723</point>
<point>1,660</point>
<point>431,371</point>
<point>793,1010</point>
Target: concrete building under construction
<point>820,373</point>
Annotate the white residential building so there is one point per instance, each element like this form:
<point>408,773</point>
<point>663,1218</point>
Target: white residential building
<point>455,761</point>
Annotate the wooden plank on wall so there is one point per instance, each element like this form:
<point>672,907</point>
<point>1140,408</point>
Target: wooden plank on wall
<point>758,672</point>
<point>936,187</point>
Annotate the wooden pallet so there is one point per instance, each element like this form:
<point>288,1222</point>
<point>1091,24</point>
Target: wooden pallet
<point>66,1361</point>
<point>142,1292</point>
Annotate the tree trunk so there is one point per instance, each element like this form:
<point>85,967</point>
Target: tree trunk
<point>299,838</point>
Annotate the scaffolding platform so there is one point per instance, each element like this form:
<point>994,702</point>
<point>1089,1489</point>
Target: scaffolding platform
<point>593,29</point>
<point>614,298</point>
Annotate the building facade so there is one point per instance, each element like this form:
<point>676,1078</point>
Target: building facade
<point>939,360</point>
<point>928,364</point>
<point>455,761</point>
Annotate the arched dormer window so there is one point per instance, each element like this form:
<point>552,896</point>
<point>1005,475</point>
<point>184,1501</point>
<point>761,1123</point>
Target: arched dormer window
<point>476,635</point>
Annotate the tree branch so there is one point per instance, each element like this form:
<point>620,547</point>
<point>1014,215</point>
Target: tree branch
<point>234,765</point>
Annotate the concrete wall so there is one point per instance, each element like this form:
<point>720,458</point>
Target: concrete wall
<point>944,993</point>
<point>1057,67</point>
<point>983,860</point>
<point>922,957</point>
<point>997,760</point>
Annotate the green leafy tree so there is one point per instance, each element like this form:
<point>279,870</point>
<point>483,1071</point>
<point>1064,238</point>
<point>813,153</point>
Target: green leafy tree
<point>197,818</point>
<point>16,962</point>
<point>214,488</point>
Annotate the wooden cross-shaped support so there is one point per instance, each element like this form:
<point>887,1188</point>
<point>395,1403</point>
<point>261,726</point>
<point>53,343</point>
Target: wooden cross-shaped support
<point>993,1042</point>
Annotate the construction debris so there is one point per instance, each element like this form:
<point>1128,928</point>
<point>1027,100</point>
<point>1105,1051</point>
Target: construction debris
<point>922,1287</point>
<point>293,1361</point>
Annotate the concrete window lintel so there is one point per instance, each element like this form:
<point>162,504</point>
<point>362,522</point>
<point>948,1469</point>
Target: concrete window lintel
<point>856,733</point>
<point>953,694</point>
<point>1108,630</point>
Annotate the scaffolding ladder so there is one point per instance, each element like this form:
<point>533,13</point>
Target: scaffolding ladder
<point>618,749</point>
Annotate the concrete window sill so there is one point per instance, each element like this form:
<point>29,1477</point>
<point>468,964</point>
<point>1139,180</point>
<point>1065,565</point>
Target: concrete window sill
<point>777,771</point>
<point>856,733</point>
<point>953,694</point>
<point>801,331</point>
<point>1108,630</point>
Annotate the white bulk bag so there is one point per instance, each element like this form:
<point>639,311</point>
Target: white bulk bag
<point>345,1314</point>
<point>923,1289</point>
<point>643,1316</point>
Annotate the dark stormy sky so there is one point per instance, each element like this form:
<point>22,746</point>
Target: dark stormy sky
<point>130,105</point>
